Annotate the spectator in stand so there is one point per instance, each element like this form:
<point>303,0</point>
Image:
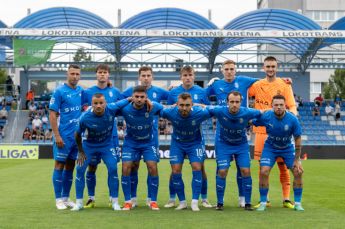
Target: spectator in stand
<point>46,108</point>
<point>30,95</point>
<point>32,108</point>
<point>162,126</point>
<point>9,99</point>
<point>27,135</point>
<point>316,110</point>
<point>40,134</point>
<point>2,132</point>
<point>40,110</point>
<point>36,123</point>
<point>3,113</point>
<point>9,85</point>
<point>45,121</point>
<point>2,99</point>
<point>49,135</point>
<point>337,99</point>
<point>337,111</point>
<point>34,136</point>
<point>120,133</point>
<point>318,100</point>
<point>329,109</point>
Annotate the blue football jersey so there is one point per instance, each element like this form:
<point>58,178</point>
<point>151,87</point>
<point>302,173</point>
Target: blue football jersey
<point>139,123</point>
<point>198,94</point>
<point>221,89</point>
<point>232,127</point>
<point>67,102</point>
<point>279,131</point>
<point>98,129</point>
<point>111,95</point>
<point>186,129</point>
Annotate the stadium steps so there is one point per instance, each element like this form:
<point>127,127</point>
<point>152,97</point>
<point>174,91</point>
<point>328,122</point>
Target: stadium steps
<point>17,121</point>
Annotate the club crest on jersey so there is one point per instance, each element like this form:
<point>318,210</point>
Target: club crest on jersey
<point>286,127</point>
<point>241,120</point>
<point>154,95</point>
<point>236,85</point>
<point>195,96</point>
<point>111,94</point>
<point>147,115</point>
<point>110,118</point>
<point>193,123</point>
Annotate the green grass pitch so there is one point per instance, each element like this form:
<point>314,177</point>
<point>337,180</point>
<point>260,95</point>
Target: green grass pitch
<point>27,200</point>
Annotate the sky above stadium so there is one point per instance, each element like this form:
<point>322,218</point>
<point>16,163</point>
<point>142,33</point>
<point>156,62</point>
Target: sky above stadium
<point>223,11</point>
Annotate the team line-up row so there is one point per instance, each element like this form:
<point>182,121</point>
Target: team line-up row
<point>92,136</point>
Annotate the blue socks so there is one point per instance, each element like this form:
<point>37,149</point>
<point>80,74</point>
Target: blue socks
<point>126,187</point>
<point>247,188</point>
<point>204,189</point>
<point>179,186</point>
<point>80,182</point>
<point>172,191</point>
<point>113,183</point>
<point>298,194</point>
<point>57,183</point>
<point>220,187</point>
<point>148,182</point>
<point>134,183</point>
<point>91,182</point>
<point>67,180</point>
<point>239,179</point>
<point>196,184</point>
<point>153,187</point>
<point>263,194</point>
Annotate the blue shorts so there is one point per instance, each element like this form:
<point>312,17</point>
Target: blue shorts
<point>226,152</point>
<point>194,150</point>
<point>96,158</point>
<point>135,151</point>
<point>269,156</point>
<point>105,151</point>
<point>68,151</point>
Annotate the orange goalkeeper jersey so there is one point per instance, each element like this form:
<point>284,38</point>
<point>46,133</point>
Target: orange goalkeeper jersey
<point>263,91</point>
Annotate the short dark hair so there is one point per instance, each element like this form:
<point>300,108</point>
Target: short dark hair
<point>184,96</point>
<point>103,67</point>
<point>235,93</point>
<point>144,68</point>
<point>98,95</point>
<point>75,66</point>
<point>270,58</point>
<point>228,62</point>
<point>139,88</point>
<point>187,68</point>
<point>278,97</point>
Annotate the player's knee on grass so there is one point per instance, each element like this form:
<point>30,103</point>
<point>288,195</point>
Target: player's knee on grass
<point>135,166</point>
<point>265,171</point>
<point>222,173</point>
<point>176,169</point>
<point>196,166</point>
<point>152,168</point>
<point>59,165</point>
<point>70,164</point>
<point>92,168</point>
<point>245,172</point>
<point>126,168</point>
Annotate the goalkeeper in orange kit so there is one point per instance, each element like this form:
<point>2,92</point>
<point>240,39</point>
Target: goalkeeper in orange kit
<point>263,91</point>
